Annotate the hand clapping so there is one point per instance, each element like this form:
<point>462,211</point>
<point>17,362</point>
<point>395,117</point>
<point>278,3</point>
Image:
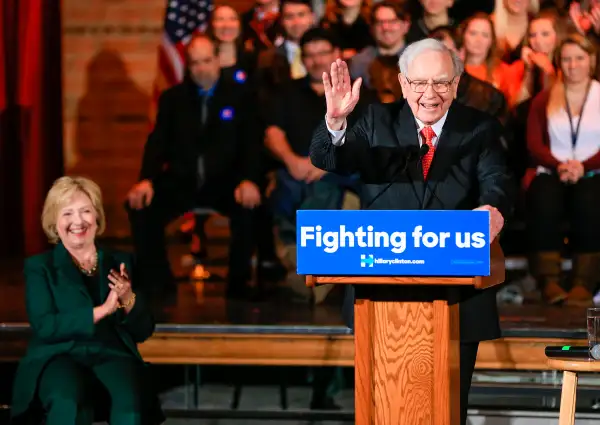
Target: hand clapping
<point>112,303</point>
<point>121,284</point>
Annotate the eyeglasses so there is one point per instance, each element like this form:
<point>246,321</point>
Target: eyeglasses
<point>437,86</point>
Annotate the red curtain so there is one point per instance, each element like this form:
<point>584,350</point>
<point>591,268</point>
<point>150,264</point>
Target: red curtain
<point>31,148</point>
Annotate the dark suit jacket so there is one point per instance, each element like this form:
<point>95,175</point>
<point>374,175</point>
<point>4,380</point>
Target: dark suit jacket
<point>230,141</point>
<point>468,170</point>
<point>59,309</point>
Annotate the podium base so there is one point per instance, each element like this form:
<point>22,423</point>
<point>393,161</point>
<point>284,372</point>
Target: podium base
<point>407,368</point>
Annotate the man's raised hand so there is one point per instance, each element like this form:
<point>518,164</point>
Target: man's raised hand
<point>340,95</point>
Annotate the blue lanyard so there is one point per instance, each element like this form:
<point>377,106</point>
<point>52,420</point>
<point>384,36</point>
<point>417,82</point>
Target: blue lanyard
<point>575,131</point>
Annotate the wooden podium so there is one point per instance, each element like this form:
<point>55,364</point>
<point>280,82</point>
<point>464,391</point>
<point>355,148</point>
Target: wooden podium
<point>407,345</point>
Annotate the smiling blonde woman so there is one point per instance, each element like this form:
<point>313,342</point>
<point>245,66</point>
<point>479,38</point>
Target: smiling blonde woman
<point>85,319</point>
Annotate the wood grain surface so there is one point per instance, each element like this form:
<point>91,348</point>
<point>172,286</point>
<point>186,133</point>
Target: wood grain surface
<point>407,369</point>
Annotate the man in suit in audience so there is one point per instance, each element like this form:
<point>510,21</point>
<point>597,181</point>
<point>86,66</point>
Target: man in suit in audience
<point>204,151</point>
<point>283,62</point>
<point>464,158</point>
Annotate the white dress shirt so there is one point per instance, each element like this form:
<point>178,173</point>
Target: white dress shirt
<point>338,137</point>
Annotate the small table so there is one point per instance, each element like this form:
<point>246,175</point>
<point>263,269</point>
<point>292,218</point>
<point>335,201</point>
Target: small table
<point>568,398</point>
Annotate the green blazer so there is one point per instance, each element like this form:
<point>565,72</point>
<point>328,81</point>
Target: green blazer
<point>59,309</point>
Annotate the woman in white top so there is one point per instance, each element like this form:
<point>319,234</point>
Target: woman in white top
<point>563,183</point>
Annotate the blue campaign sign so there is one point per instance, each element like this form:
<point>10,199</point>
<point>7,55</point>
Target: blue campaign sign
<point>393,243</point>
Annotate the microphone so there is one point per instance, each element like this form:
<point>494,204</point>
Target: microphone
<point>422,152</point>
<point>573,351</point>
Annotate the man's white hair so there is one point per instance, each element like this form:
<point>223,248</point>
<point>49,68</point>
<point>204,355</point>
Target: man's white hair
<point>428,44</point>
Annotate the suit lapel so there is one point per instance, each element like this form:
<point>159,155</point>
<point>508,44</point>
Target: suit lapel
<point>405,129</point>
<point>67,270</point>
<point>445,153</point>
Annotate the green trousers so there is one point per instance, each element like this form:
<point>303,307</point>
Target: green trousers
<point>65,393</point>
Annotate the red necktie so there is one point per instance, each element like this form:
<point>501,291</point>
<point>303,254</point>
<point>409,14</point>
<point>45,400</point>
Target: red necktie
<point>428,134</point>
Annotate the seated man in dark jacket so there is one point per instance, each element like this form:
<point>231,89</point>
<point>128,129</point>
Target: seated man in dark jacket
<point>204,151</point>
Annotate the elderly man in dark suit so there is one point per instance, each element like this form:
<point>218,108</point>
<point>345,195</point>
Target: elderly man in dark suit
<point>463,167</point>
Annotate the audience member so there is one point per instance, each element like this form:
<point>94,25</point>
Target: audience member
<point>435,14</point>
<point>296,110</point>
<point>225,28</point>
<point>282,63</point>
<point>587,22</point>
<point>203,152</point>
<point>349,21</point>
<point>535,71</point>
<point>86,315</point>
<point>478,42</point>
<point>563,137</point>
<point>390,23</point>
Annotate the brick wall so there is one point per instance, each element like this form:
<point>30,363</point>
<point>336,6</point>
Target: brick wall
<point>109,65</point>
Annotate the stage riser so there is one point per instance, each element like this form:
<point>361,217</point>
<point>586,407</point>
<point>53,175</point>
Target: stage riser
<point>299,350</point>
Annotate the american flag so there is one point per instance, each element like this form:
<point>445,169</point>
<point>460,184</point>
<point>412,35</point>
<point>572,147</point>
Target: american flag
<point>183,18</point>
